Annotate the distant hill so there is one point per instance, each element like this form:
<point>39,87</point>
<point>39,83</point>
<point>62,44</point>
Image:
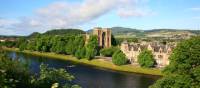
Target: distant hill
<point>58,32</point>
<point>119,32</point>
<point>5,36</point>
<point>64,32</point>
<point>122,30</point>
<point>129,32</point>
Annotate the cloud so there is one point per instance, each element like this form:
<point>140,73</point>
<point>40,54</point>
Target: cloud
<point>72,14</point>
<point>6,26</point>
<point>6,22</point>
<point>134,13</point>
<point>195,9</point>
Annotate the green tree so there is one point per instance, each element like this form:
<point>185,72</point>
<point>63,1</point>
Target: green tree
<point>108,52</point>
<point>22,44</point>
<point>92,42</point>
<point>52,76</point>
<point>113,40</point>
<point>145,59</point>
<point>80,53</point>
<point>90,53</point>
<point>92,48</point>
<point>15,74</point>
<point>119,58</point>
<point>184,68</point>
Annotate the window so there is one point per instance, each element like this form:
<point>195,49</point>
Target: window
<point>160,56</point>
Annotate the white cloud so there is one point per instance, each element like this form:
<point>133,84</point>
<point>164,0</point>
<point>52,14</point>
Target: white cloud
<point>68,14</point>
<point>195,9</point>
<point>134,13</point>
<point>6,22</point>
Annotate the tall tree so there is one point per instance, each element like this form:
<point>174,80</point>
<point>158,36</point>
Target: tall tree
<point>119,58</point>
<point>184,68</point>
<point>92,47</point>
<point>145,59</point>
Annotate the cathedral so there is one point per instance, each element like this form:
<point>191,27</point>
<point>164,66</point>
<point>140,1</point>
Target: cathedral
<point>104,36</point>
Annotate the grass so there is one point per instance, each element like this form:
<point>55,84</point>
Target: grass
<point>94,62</point>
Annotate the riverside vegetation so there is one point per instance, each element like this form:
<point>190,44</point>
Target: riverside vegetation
<point>182,72</point>
<point>68,43</point>
<point>184,68</point>
<point>74,44</point>
<point>15,74</point>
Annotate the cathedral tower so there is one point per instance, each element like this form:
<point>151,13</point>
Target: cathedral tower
<point>104,36</point>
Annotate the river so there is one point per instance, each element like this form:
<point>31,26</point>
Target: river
<point>88,76</point>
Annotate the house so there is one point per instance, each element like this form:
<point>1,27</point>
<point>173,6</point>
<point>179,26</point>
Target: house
<point>160,52</point>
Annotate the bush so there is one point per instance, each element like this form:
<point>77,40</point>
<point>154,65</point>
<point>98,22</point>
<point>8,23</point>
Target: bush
<point>145,59</point>
<point>80,53</point>
<point>108,52</point>
<point>119,58</point>
<point>90,53</point>
<point>184,68</point>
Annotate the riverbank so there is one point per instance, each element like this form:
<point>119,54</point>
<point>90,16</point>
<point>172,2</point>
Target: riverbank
<point>94,62</point>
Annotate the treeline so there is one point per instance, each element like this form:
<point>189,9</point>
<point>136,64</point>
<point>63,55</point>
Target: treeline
<point>66,44</point>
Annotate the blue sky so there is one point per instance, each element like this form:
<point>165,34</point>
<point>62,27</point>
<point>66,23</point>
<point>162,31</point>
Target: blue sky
<point>22,17</point>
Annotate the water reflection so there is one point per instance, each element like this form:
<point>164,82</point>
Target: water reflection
<point>87,76</point>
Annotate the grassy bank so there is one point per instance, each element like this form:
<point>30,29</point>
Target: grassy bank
<point>95,62</point>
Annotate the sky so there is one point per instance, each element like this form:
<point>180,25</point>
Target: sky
<point>22,17</point>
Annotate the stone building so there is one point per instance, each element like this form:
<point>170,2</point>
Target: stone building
<point>104,36</point>
<point>160,52</point>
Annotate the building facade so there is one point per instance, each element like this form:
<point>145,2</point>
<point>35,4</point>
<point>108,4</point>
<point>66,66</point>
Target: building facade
<point>104,36</point>
<point>160,52</point>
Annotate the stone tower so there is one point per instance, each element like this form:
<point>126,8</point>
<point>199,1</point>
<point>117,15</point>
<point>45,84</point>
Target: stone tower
<point>104,36</point>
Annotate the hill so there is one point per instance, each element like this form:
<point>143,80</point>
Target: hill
<point>64,32</point>
<point>58,32</point>
<point>129,32</point>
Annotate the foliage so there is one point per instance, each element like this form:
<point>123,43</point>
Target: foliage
<point>59,44</point>
<point>90,53</point>
<point>108,52</point>
<point>184,68</point>
<point>145,59</point>
<point>34,35</point>
<point>21,43</point>
<point>92,42</point>
<point>113,40</point>
<point>174,81</point>
<point>120,40</point>
<point>15,74</point>
<point>80,53</point>
<point>119,58</point>
<point>64,32</point>
<point>50,76</point>
<point>92,48</point>
<point>63,41</point>
<point>9,44</point>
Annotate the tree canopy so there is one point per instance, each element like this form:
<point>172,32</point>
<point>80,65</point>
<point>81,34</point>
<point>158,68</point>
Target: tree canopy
<point>64,32</point>
<point>119,58</point>
<point>92,47</point>
<point>108,52</point>
<point>145,59</point>
<point>184,68</point>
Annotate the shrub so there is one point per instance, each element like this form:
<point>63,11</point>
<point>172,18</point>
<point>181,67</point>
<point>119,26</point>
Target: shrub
<point>80,53</point>
<point>108,52</point>
<point>119,58</point>
<point>145,59</point>
<point>90,53</point>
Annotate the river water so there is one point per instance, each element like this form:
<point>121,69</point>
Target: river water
<point>88,76</point>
